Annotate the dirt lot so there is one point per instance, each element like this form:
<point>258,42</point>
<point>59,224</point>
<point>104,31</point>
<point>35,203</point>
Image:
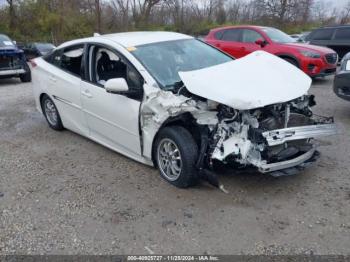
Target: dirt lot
<point>63,194</point>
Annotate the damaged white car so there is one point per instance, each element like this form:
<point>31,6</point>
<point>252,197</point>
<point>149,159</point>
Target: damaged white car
<point>169,100</point>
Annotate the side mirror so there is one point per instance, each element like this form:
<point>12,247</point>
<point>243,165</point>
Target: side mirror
<point>261,42</point>
<point>116,86</point>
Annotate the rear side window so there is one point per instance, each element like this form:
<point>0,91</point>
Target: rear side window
<point>71,59</point>
<point>53,58</point>
<point>342,34</point>
<point>322,34</point>
<point>232,35</point>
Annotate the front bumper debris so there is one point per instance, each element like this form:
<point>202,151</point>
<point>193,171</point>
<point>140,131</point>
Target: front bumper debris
<point>295,162</point>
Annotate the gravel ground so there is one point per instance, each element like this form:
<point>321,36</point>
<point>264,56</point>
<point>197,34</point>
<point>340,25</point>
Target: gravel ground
<point>63,194</point>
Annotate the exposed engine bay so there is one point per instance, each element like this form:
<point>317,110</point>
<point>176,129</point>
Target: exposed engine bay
<point>275,139</point>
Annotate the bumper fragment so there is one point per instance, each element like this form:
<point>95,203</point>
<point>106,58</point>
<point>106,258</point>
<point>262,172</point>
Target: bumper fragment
<point>285,165</point>
<point>280,136</point>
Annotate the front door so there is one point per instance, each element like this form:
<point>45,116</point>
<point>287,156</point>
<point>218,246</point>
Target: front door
<point>113,119</point>
<point>249,37</point>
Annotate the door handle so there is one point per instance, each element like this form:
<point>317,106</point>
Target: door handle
<point>86,93</point>
<point>217,45</point>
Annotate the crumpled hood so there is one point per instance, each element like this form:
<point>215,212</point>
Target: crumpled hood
<point>256,80</point>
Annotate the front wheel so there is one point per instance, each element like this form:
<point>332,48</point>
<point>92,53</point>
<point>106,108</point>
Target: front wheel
<point>176,153</point>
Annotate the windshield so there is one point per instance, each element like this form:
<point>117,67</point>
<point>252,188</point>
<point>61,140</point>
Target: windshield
<point>278,36</point>
<point>44,47</point>
<point>165,59</point>
<point>5,41</point>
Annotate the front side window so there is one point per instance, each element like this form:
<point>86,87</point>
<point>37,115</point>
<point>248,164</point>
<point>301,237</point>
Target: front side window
<point>106,64</point>
<point>277,36</point>
<point>165,60</point>
<point>250,36</point>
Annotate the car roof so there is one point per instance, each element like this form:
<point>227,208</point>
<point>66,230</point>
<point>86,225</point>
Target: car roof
<point>130,39</point>
<point>240,26</point>
<point>333,27</point>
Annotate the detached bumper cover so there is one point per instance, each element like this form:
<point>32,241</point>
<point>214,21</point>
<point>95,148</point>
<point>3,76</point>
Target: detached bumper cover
<point>280,136</point>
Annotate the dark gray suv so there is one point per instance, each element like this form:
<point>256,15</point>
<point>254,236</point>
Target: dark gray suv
<point>334,37</point>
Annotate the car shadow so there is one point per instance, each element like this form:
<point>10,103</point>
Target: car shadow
<point>9,81</point>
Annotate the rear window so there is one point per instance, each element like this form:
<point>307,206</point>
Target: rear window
<point>322,34</point>
<point>342,34</point>
<point>232,35</point>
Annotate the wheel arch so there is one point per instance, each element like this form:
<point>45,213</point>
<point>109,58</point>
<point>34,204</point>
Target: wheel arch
<point>289,56</point>
<point>185,120</point>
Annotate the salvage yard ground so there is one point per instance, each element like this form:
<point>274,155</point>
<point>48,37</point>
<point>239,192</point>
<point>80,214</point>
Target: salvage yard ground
<point>63,194</point>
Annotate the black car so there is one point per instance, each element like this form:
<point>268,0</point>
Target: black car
<point>342,79</point>
<point>12,60</point>
<point>334,37</point>
<point>33,50</point>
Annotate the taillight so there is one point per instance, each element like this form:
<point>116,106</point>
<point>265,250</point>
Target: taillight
<point>32,63</point>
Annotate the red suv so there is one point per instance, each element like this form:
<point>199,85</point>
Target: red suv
<point>239,41</point>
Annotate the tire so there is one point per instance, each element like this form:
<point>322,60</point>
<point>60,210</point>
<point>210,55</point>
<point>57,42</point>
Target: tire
<point>27,76</point>
<point>177,164</point>
<point>51,113</point>
<point>291,61</point>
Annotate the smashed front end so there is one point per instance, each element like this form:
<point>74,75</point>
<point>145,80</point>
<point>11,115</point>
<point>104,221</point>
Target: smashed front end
<point>276,139</point>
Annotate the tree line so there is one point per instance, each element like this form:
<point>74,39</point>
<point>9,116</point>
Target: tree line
<point>60,20</point>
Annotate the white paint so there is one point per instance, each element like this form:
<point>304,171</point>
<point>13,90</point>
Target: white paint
<point>257,80</point>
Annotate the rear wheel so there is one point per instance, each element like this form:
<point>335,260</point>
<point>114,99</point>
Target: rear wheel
<point>51,113</point>
<point>176,154</point>
<point>27,76</point>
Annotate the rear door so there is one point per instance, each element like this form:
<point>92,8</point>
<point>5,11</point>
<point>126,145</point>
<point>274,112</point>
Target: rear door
<point>64,80</point>
<point>230,42</point>
<point>113,119</point>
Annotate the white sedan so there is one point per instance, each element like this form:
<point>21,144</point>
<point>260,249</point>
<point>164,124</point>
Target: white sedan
<point>169,100</point>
